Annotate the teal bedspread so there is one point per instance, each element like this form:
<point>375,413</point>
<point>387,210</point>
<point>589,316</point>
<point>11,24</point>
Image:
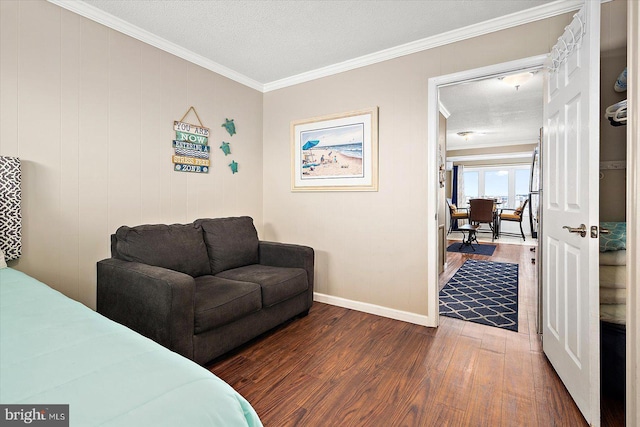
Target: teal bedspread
<point>54,350</point>
<point>616,239</point>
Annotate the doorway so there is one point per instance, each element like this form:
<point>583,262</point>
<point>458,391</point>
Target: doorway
<point>499,69</point>
<point>633,160</point>
<point>488,134</point>
<point>492,73</point>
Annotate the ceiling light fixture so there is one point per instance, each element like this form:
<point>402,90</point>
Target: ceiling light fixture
<point>466,134</point>
<point>516,80</point>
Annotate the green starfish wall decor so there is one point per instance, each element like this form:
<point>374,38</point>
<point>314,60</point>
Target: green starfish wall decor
<point>234,166</point>
<point>225,148</point>
<point>229,126</point>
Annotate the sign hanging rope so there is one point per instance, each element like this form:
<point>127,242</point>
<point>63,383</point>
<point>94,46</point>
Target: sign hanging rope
<point>194,112</point>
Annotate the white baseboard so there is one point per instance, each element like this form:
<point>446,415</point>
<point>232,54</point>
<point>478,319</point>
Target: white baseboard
<point>405,316</point>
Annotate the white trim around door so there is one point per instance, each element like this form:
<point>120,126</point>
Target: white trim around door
<point>633,219</point>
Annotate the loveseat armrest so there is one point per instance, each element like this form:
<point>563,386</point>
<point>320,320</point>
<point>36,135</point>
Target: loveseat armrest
<point>153,301</point>
<point>288,255</point>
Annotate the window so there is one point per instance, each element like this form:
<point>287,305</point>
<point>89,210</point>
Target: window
<point>509,184</point>
<point>522,186</point>
<point>496,184</point>
<point>470,180</point>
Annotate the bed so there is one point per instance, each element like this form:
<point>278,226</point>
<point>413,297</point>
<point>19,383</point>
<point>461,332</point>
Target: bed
<point>613,308</point>
<point>54,350</point>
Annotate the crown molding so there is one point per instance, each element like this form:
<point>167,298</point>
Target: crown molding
<point>443,110</point>
<point>473,157</point>
<point>508,21</point>
<point>466,145</point>
<point>93,13</point>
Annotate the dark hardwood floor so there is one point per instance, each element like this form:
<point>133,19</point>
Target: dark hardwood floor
<point>339,367</point>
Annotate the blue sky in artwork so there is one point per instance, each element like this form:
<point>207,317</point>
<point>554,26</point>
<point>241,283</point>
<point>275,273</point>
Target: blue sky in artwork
<point>351,134</point>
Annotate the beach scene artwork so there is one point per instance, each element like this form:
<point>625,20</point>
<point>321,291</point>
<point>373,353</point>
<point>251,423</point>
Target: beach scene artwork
<point>332,152</point>
<point>337,152</point>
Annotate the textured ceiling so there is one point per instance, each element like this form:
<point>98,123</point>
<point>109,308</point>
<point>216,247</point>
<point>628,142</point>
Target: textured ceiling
<point>497,112</point>
<point>272,40</point>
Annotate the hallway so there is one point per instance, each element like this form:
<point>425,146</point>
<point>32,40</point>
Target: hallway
<point>519,252</point>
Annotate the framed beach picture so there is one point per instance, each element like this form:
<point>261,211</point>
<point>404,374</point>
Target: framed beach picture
<point>335,153</point>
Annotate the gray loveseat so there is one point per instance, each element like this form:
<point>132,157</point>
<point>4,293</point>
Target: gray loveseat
<point>204,288</point>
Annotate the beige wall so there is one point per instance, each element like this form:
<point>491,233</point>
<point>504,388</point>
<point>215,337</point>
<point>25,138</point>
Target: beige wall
<point>372,247</point>
<point>90,113</point>
<point>496,162</point>
<point>520,148</point>
<point>613,146</point>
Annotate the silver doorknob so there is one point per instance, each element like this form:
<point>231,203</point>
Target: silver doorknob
<point>582,229</point>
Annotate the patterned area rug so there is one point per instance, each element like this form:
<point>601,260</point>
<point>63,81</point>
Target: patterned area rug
<point>466,249</point>
<point>483,292</point>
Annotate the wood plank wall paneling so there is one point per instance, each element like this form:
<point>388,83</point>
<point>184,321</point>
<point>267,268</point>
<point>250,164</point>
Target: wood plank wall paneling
<point>39,136</point>
<point>175,79</point>
<point>203,95</point>
<point>124,150</point>
<point>70,38</point>
<point>90,113</point>
<point>8,79</point>
<point>92,152</point>
<point>154,151</point>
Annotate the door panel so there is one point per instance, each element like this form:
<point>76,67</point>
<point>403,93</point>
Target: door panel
<point>552,298</point>
<point>570,198</point>
<point>573,315</point>
<point>551,135</point>
<point>572,149</point>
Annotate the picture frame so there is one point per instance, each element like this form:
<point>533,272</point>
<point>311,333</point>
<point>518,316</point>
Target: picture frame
<point>337,152</point>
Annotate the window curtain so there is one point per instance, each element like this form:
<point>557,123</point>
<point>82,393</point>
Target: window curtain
<point>10,211</point>
<point>457,190</point>
<point>460,187</point>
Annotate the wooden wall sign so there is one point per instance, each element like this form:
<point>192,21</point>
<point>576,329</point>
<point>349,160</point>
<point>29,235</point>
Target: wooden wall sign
<point>191,146</point>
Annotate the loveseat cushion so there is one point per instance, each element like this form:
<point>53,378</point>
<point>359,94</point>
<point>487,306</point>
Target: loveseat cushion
<point>231,242</point>
<point>278,283</point>
<point>176,247</point>
<point>221,301</point>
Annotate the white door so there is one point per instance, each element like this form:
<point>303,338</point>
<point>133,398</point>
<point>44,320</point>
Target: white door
<point>570,165</point>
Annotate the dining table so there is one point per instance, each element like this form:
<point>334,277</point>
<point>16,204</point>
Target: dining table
<point>496,214</point>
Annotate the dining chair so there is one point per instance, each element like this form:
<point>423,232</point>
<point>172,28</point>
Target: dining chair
<point>455,213</point>
<point>481,211</point>
<point>514,215</point>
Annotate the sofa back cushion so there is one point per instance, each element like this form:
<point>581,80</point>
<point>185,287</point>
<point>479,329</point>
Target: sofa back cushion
<point>178,247</point>
<point>231,242</point>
